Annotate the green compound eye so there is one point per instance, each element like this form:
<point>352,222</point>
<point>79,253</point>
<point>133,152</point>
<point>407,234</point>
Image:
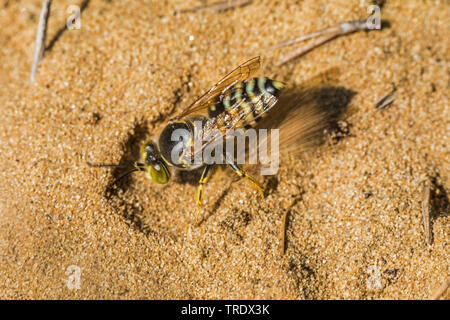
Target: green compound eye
<point>159,173</point>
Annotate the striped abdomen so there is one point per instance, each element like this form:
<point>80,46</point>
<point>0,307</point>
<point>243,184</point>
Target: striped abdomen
<point>247,101</point>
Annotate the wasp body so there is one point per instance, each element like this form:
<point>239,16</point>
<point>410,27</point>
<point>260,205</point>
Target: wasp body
<point>237,101</point>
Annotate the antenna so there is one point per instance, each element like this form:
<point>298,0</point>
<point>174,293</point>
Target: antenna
<point>121,177</point>
<point>136,167</point>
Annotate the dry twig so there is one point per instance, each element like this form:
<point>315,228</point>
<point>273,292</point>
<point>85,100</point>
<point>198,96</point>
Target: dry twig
<point>322,36</point>
<point>283,232</point>
<point>219,6</point>
<point>386,100</point>
<point>426,212</point>
<point>40,38</point>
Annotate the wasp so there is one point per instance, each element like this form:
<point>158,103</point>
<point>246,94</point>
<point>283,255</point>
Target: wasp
<point>238,100</point>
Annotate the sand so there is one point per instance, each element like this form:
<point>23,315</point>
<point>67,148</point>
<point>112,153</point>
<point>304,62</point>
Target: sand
<point>355,227</point>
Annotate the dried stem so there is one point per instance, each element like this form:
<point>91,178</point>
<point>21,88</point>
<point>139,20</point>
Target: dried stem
<point>386,100</point>
<point>426,212</point>
<point>40,38</point>
<point>322,37</point>
<point>219,6</point>
<point>283,232</point>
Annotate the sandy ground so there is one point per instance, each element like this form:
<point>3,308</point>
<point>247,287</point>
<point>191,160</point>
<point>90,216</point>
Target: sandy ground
<point>355,227</point>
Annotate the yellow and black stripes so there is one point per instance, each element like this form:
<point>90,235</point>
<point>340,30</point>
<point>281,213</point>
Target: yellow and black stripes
<point>248,100</point>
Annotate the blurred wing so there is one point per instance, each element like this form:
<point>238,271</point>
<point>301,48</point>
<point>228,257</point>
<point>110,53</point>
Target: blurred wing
<point>239,74</point>
<point>305,116</point>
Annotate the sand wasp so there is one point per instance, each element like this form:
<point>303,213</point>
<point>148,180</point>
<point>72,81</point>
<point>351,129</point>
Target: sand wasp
<point>238,100</point>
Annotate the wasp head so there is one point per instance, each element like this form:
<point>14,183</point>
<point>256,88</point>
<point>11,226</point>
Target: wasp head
<point>152,163</point>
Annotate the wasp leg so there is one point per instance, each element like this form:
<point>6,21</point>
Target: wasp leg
<point>242,174</point>
<point>203,180</point>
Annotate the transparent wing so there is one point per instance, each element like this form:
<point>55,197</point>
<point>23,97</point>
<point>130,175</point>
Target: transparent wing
<point>239,74</point>
<point>241,113</point>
